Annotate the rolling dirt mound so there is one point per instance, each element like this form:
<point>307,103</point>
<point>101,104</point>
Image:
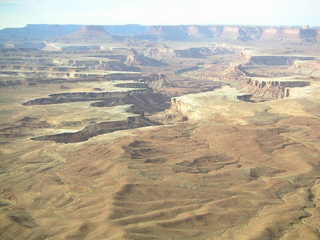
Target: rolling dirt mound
<point>22,127</point>
<point>212,179</point>
<point>171,182</point>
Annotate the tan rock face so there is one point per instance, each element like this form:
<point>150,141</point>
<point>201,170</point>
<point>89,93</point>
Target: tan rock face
<point>138,59</point>
<point>239,33</point>
<point>90,33</point>
<point>131,60</point>
<point>270,34</point>
<point>291,34</point>
<point>264,88</point>
<point>230,32</point>
<point>268,89</point>
<point>159,52</point>
<point>180,33</point>
<point>311,68</point>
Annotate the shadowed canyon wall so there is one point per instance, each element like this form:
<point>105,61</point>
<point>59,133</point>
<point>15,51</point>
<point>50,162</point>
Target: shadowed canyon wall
<point>264,89</point>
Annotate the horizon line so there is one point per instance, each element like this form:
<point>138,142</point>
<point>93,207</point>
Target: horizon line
<point>159,25</point>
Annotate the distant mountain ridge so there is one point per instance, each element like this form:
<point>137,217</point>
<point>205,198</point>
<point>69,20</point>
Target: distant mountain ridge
<point>42,32</point>
<point>89,33</point>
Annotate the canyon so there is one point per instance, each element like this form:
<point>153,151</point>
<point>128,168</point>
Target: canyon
<point>159,132</point>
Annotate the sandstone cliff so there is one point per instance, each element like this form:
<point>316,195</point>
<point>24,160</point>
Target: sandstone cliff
<point>235,33</point>
<point>173,33</point>
<point>310,68</point>
<point>89,33</point>
<point>139,59</point>
<point>263,88</point>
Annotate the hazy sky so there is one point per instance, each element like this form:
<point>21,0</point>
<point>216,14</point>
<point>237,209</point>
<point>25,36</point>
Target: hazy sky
<point>152,12</point>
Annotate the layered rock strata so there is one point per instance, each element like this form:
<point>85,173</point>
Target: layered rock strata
<point>40,32</point>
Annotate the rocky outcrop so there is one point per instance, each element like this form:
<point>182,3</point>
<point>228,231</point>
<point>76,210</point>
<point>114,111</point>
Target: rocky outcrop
<point>44,73</point>
<point>118,66</point>
<point>291,34</point>
<point>173,33</point>
<point>157,81</point>
<point>98,129</point>
<point>271,33</point>
<point>276,60</point>
<point>310,68</point>
<point>138,59</point>
<point>272,89</point>
<point>76,97</point>
<point>146,100</point>
<point>230,33</point>
<point>152,81</point>
<point>205,105</point>
<point>239,33</point>
<point>262,89</point>
<point>56,79</point>
<point>159,52</point>
<point>199,32</point>
<point>304,34</point>
<point>202,52</point>
<point>250,34</point>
